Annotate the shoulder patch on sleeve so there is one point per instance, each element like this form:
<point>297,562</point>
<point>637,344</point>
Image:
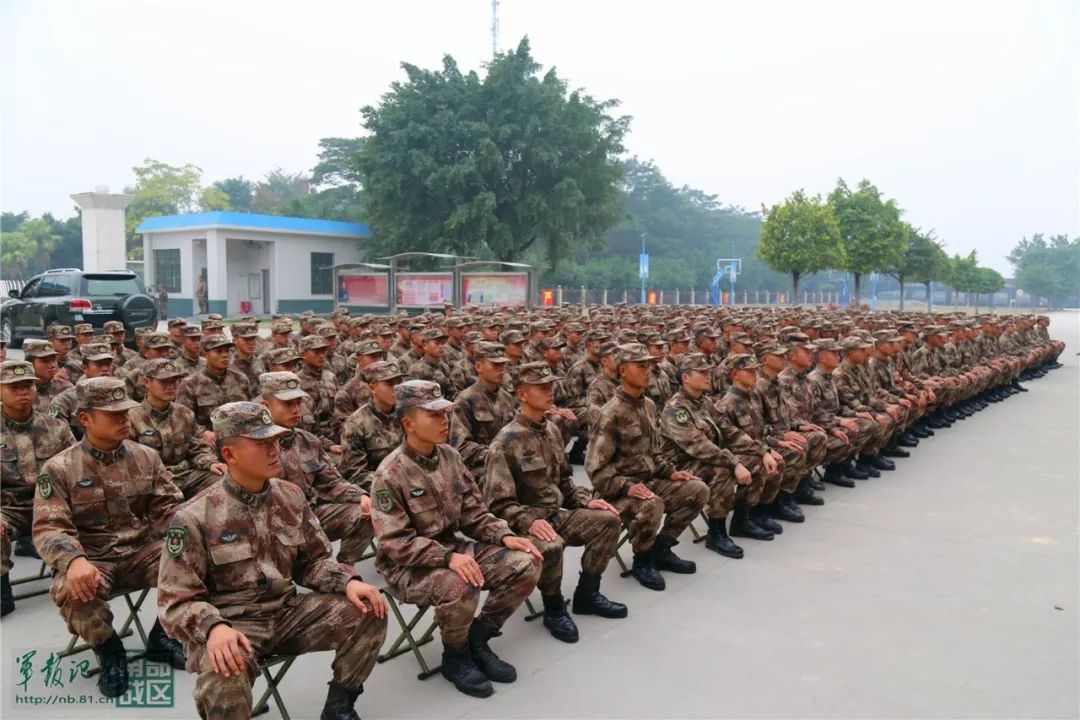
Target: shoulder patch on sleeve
<point>176,541</point>
<point>681,416</point>
<point>384,500</point>
<point>44,485</point>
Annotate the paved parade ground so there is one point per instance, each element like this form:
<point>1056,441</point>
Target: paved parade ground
<point>948,588</point>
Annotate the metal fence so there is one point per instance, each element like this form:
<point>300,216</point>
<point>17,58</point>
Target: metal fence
<point>680,296</point>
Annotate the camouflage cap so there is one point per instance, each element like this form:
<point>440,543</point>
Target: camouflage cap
<point>473,336</point>
<point>282,356</point>
<point>244,330</point>
<point>678,336</point>
<point>162,369</point>
<point>574,327</point>
<point>634,352</point>
<point>369,346</point>
<point>214,317</point>
<point>381,370</point>
<point>214,341</point>
<point>608,347</point>
<point>706,331</point>
<point>38,349</point>
<point>692,361</point>
<point>435,333</point>
<point>826,345</point>
<point>212,325</point>
<point>103,393</point>
<point>282,385</point>
<point>533,373</point>
<point>13,371</point>
<point>854,342</point>
<point>96,351</point>
<point>493,321</point>
<point>511,337</point>
<point>384,330</point>
<point>177,322</point>
<point>157,340</point>
<point>770,347</point>
<point>797,339</point>
<point>458,321</point>
<point>313,342</point>
<point>84,328</point>
<point>888,336</point>
<point>104,340</point>
<point>244,419</point>
<point>192,331</point>
<point>553,342</point>
<point>281,327</point>
<point>247,319</point>
<point>326,330</point>
<point>492,352</point>
<point>142,332</point>
<point>422,394</point>
<point>113,326</point>
<point>740,361</point>
<point>60,332</point>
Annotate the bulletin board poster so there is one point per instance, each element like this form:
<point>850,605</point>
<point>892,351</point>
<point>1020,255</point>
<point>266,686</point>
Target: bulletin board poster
<point>424,289</point>
<point>501,289</point>
<point>371,290</point>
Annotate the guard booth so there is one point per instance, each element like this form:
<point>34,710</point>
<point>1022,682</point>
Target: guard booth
<point>497,283</point>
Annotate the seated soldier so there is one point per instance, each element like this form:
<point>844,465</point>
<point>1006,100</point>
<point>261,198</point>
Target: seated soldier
<point>430,365</point>
<point>154,346</point>
<point>100,514</point>
<point>354,393</point>
<point>29,439</point>
<point>97,359</point>
<point>343,509</point>
<point>215,383</point>
<point>482,409</point>
<point>371,433</point>
<point>245,337</point>
<point>190,357</point>
<point>48,381</point>
<point>424,497</point>
<point>227,583</point>
<point>170,428</point>
<point>530,486</point>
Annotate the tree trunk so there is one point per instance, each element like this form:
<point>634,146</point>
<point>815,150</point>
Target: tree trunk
<point>929,299</point>
<point>900,278</point>
<point>855,291</point>
<point>794,288</point>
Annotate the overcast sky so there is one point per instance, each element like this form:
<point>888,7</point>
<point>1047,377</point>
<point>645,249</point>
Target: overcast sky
<point>965,112</point>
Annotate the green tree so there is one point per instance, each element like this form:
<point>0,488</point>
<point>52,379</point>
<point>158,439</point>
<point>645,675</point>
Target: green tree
<point>490,166</point>
<point>1048,267</point>
<point>871,233</point>
<point>924,261</point>
<point>964,272</point>
<point>987,282</point>
<point>800,236</point>
<point>278,188</point>
<point>239,190</point>
<point>28,249</point>
<point>160,189</point>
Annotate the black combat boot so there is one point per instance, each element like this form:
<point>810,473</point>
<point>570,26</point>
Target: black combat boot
<point>339,702</point>
<point>644,571</point>
<point>489,663</point>
<point>665,559</point>
<point>893,450</point>
<point>162,648</point>
<point>7,598</point>
<point>815,484</point>
<point>804,494</point>
<point>558,621</point>
<point>589,601</point>
<point>742,526</point>
<point>784,508</point>
<point>24,547</point>
<point>908,439</point>
<point>1018,387</point>
<point>577,453</point>
<point>718,541</point>
<point>762,517</point>
<point>458,667</point>
<point>883,463</point>
<point>843,474</point>
<point>867,465</point>
<point>921,431</point>
<point>112,682</point>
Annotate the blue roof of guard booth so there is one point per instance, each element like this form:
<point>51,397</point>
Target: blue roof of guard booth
<point>252,221</point>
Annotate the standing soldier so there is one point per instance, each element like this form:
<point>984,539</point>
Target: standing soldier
<point>100,514</point>
<point>343,509</point>
<point>162,302</point>
<point>215,384</point>
<point>625,467</point>
<point>530,486</point>
<point>424,497</point>
<point>692,441</point>
<point>29,439</point>
<point>482,409</point>
<point>171,430</point>
<point>371,433</point>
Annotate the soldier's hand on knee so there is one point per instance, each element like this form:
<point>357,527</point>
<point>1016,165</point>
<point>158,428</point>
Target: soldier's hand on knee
<point>769,461</point>
<point>209,437</point>
<point>640,491</point>
<point>228,650</point>
<point>601,504</point>
<point>365,506</point>
<point>219,468</point>
<point>682,476</point>
<point>542,530</point>
<point>82,579</point>
<point>742,475</point>
<point>358,592</point>
<point>513,542</point>
<point>467,569</point>
<point>336,449</point>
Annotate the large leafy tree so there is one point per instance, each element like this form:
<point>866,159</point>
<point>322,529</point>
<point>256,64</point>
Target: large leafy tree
<point>239,190</point>
<point>163,189</point>
<point>1048,267</point>
<point>27,249</point>
<point>924,261</point>
<point>871,234</point>
<point>491,166</point>
<point>800,236</point>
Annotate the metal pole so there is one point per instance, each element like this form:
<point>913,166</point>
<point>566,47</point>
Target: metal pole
<point>643,276</point>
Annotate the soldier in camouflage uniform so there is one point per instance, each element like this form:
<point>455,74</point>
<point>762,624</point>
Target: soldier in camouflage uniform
<point>743,429</point>
<point>354,393</point>
<point>430,365</point>
<point>29,438</point>
<point>63,341</point>
<point>691,441</point>
<point>530,486</point>
<point>171,430</point>
<point>463,372</point>
<point>245,336</point>
<point>336,363</point>
<point>849,431</point>
<point>858,395</point>
<point>215,384</point>
<point>371,433</point>
<point>455,341</point>
<point>482,409</point>
<point>175,327</point>
<point>424,497</point>
<point>343,509</point>
<point>321,386</point>
<point>100,512</point>
<point>606,382</point>
<point>42,355</point>
<point>190,357</point>
<point>115,329</point>
<point>97,361</point>
<point>576,388</point>
<point>624,464</point>
<point>155,346</point>
<point>227,583</point>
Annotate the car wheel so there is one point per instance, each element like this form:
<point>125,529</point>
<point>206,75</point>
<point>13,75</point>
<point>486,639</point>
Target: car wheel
<point>8,331</point>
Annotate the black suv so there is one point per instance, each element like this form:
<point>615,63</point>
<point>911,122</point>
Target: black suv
<point>68,295</point>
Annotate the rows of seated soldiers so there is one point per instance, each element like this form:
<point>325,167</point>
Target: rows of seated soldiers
<point>447,439</point>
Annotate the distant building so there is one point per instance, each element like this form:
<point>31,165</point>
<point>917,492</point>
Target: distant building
<point>257,264</point>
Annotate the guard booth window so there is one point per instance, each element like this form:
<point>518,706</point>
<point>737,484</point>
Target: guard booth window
<point>322,280</point>
<point>167,270</point>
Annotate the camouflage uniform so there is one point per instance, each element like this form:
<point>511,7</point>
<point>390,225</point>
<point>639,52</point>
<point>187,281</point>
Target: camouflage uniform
<point>421,503</point>
<point>24,448</point>
<point>111,507</point>
<point>65,406</point>
<point>576,384</point>
<point>744,432</point>
<point>601,390</point>
<point>204,392</point>
<point>48,391</point>
<point>428,368</point>
<point>175,435</point>
<point>354,393</point>
<point>321,386</point>
<point>479,413</point>
<point>235,557</point>
<point>828,411</point>
<point>857,394</point>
